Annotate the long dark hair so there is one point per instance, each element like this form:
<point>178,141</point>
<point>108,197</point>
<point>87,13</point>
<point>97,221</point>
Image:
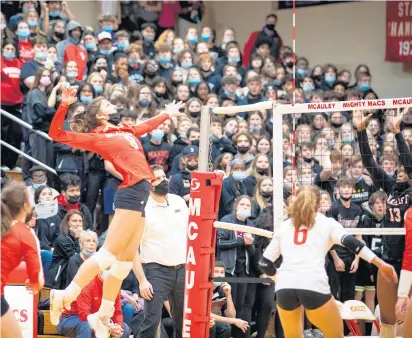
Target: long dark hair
<point>13,198</point>
<point>64,225</point>
<point>87,121</point>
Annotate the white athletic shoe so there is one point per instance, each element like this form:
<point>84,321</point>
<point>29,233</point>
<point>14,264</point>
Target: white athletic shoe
<point>56,305</point>
<point>101,330</point>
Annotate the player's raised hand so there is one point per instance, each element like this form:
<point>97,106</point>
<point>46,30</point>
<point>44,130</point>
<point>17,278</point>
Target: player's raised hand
<point>68,96</point>
<point>174,107</point>
<point>359,121</point>
<point>396,122</point>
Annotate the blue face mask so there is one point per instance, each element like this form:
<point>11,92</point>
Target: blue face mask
<point>330,78</point>
<point>332,144</point>
<point>186,64</point>
<point>233,60</point>
<point>301,72</point>
<point>38,185</point>
<point>41,56</point>
<point>308,88</point>
<point>205,37</point>
<point>123,45</point>
<point>239,175</point>
<point>133,62</point>
<point>193,82</point>
<point>86,99</point>
<point>228,92</point>
<point>90,46</point>
<point>243,213</point>
<point>87,253</point>
<point>277,82</point>
<point>359,178</point>
<point>98,89</point>
<point>347,139</point>
<point>255,128</point>
<point>391,173</point>
<point>193,39</point>
<point>107,29</point>
<point>105,52</point>
<point>32,23</point>
<point>26,10</point>
<point>72,75</point>
<point>24,33</point>
<point>177,50</point>
<point>54,14</point>
<point>9,56</point>
<point>164,60</point>
<point>158,135</point>
<point>144,103</point>
<point>365,86</point>
<point>183,135</point>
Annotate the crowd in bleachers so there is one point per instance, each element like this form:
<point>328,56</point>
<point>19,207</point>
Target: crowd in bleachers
<point>140,63</point>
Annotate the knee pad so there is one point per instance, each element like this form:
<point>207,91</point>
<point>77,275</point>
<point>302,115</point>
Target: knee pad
<point>388,331</point>
<point>120,269</point>
<point>104,259</point>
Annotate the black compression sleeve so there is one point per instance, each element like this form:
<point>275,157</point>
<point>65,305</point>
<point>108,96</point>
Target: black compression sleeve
<point>267,266</point>
<point>352,243</point>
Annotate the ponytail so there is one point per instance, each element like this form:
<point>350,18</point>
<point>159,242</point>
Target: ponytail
<point>304,208</point>
<point>6,220</point>
<point>87,121</point>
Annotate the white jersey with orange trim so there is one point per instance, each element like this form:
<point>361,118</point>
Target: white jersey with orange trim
<point>303,253</point>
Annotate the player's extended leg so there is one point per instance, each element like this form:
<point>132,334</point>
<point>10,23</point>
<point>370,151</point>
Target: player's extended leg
<point>121,231</point>
<point>112,284</point>
<point>292,322</point>
<point>407,321</point>
<point>387,297</point>
<point>328,319</point>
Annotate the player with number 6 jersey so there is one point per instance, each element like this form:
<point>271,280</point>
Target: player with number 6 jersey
<point>303,240</point>
<point>92,131</point>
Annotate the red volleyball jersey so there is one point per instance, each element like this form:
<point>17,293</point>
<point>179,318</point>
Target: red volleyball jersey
<point>20,244</point>
<point>407,255</point>
<point>119,145</point>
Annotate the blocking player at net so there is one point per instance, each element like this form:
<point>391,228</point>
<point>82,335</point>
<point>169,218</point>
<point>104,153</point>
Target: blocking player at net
<point>303,241</point>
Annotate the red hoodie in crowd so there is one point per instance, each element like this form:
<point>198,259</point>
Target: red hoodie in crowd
<point>10,81</point>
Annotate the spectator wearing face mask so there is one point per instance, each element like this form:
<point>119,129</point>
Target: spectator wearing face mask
<point>58,11</point>
<point>65,246</point>
<point>69,199</point>
<point>107,23</point>
<point>161,91</point>
<point>236,249</point>
<point>38,179</point>
<point>149,34</point>
<point>180,182</point>
<point>72,49</point>
<point>58,29</point>
<point>268,31</point>
<point>232,187</point>
<point>88,246</point>
<point>157,150</point>
<point>259,169</point>
<point>25,6</point>
<point>243,142</point>
<point>74,322</point>
<point>161,267</point>
<point>192,137</point>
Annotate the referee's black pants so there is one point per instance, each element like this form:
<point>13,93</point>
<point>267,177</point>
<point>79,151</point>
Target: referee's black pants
<point>168,284</point>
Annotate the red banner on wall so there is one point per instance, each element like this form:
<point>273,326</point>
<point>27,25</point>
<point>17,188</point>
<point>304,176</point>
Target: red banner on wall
<point>399,31</point>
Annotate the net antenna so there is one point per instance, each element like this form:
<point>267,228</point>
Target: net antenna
<point>204,147</point>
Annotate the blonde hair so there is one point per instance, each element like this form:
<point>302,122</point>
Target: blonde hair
<point>304,208</point>
<point>260,200</point>
<point>162,39</point>
<point>84,235</point>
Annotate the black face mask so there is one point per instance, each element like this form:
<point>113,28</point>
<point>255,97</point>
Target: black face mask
<point>336,125</point>
<point>194,113</point>
<point>308,160</point>
<point>190,167</point>
<point>99,69</point>
<point>266,193</point>
<point>176,82</point>
<point>114,118</point>
<point>243,150</point>
<point>160,95</point>
<point>271,27</point>
<point>401,186</point>
<point>346,199</point>
<point>195,143</point>
<point>162,189</point>
<point>59,35</point>
<point>289,64</point>
<point>262,171</point>
<point>150,73</point>
<point>73,199</point>
<point>318,78</point>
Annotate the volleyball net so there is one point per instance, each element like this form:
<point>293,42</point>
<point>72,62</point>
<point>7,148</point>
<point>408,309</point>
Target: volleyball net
<point>288,168</point>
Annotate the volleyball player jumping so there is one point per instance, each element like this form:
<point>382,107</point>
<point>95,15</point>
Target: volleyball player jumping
<point>120,146</point>
<point>303,241</point>
<point>18,242</point>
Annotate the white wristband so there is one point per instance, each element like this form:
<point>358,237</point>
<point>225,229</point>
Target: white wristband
<point>405,282</point>
<point>366,254</point>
